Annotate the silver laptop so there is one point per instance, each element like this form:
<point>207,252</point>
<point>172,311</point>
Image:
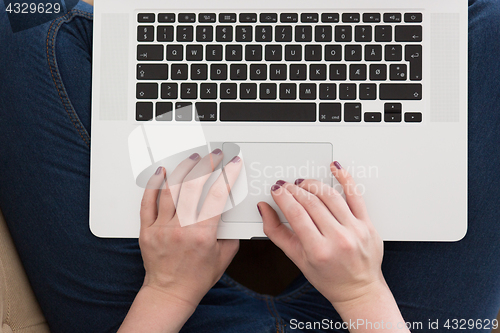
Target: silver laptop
<point>290,86</point>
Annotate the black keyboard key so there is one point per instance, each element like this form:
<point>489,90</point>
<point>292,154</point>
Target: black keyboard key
<point>353,53</point>
<point>253,52</point>
<point>323,33</point>
<point>248,91</point>
<point>393,53</point>
<point>274,52</point>
<point>333,52</point>
<point>278,72</point>
<point>145,33</point>
<point>268,17</point>
<point>371,17</point>
<point>309,17</point>
<point>283,33</point>
<point>268,112</point>
<point>400,91</point>
<point>373,117</point>
<point>393,107</point>
<point>289,17</point>
<point>227,18</point>
<point>378,72</point>
<point>398,72</point>
<point>350,18</point>
<point>352,112</point>
<point>368,91</point>
<point>408,33</point>
<point>166,17</point>
<point>343,33</point>
<point>327,91</point>
<point>258,72</point>
<point>187,18</point>
<point>204,33</point>
<point>413,54</point>
<point>293,52</point>
<point>413,17</point>
<point>268,91</point>
<point>144,111</point>
<point>149,52</point>
<point>184,33</point>
<point>413,117</point>
<point>244,33</point>
<point>338,72</point>
<point>208,91</point>
<point>214,52</point>
<point>218,72</point>
<point>146,91</point>
<point>248,17</point>
<point>330,112</point>
<point>164,111</point>
<point>288,91</point>
<point>363,33</point>
<point>194,52</point>
<point>373,52</point>
<point>347,91</point>
<point>314,53</point>
<point>224,33</point>
<point>207,17</point>
<point>357,72</point>
<point>179,72</point>
<point>263,33</point>
<point>234,52</point>
<point>145,17</point>
<point>165,33</point>
<point>392,17</point>
<point>169,91</point>
<point>392,117</point>
<point>206,111</point>
<point>383,33</point>
<point>298,72</point>
<point>199,72</point>
<point>183,111</point>
<point>307,91</point>
<point>330,18</point>
<point>228,90</point>
<point>175,52</point>
<point>152,72</point>
<point>189,91</point>
<point>238,72</point>
<point>317,72</point>
<point>303,33</point>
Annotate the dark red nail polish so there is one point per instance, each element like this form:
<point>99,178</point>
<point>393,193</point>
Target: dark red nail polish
<point>158,171</point>
<point>337,165</point>
<point>195,156</point>
<point>259,210</point>
<point>280,182</point>
<point>236,159</point>
<point>217,151</point>
<point>298,181</point>
<point>275,187</point>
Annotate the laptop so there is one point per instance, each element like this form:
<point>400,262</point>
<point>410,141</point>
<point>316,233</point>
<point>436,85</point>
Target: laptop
<point>289,86</point>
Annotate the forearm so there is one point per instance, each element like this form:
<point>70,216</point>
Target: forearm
<point>377,311</point>
<point>156,311</point>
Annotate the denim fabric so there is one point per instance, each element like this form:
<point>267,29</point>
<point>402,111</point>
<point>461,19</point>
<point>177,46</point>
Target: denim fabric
<point>86,284</point>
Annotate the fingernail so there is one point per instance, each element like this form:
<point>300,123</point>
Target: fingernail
<point>259,210</point>
<point>217,151</point>
<point>236,159</point>
<point>275,187</point>
<point>337,165</point>
<point>298,181</point>
<point>158,171</point>
<point>281,182</point>
<point>195,156</point>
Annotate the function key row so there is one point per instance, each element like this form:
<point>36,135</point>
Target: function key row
<point>283,17</point>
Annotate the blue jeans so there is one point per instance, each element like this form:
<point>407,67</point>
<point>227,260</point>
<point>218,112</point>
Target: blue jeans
<point>86,284</point>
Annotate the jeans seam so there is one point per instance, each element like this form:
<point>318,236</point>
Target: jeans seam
<point>276,316</point>
<point>56,77</point>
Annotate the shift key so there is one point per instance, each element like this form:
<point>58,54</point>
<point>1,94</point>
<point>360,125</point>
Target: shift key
<point>400,91</point>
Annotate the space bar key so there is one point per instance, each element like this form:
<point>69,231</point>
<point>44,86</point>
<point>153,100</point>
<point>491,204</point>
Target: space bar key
<point>284,112</point>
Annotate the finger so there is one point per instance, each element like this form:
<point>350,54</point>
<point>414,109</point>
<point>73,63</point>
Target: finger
<point>353,197</point>
<point>192,187</point>
<point>216,199</point>
<point>299,220</point>
<point>313,205</point>
<point>149,208</point>
<point>332,199</point>
<point>278,233</point>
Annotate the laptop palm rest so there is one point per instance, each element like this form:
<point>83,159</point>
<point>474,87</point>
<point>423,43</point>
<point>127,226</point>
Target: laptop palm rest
<point>266,163</point>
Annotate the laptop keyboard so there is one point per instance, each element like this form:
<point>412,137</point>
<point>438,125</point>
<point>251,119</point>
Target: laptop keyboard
<point>278,67</point>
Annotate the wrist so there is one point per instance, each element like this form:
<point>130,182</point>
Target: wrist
<point>170,295</point>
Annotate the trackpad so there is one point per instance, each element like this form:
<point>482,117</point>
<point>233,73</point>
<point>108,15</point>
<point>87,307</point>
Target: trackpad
<point>266,163</point>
